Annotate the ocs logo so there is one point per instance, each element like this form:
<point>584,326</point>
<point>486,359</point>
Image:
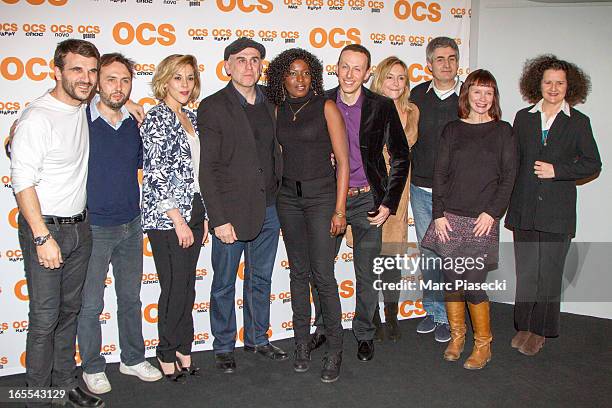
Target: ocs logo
<point>21,290</point>
<point>35,69</point>
<point>346,289</point>
<point>411,308</point>
<point>418,11</point>
<point>125,33</point>
<point>39,2</point>
<point>241,334</point>
<point>336,37</point>
<point>150,313</point>
<point>247,6</point>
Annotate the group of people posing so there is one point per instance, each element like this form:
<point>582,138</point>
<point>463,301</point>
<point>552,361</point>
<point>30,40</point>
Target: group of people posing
<point>291,155</point>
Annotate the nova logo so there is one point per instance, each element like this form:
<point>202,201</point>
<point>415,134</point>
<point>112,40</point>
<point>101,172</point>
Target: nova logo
<point>418,10</point>
<point>247,6</point>
<point>145,34</point>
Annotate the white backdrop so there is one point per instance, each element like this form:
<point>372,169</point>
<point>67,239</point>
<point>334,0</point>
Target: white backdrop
<point>149,30</point>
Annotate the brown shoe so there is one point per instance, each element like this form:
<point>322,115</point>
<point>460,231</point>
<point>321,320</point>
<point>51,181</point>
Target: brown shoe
<point>520,338</point>
<point>533,345</point>
<point>456,320</point>
<point>481,322</point>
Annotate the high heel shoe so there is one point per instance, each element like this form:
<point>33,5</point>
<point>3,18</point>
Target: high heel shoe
<point>176,376</point>
<point>188,370</point>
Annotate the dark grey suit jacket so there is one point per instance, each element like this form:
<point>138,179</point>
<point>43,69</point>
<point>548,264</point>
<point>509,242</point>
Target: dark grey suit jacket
<point>231,180</point>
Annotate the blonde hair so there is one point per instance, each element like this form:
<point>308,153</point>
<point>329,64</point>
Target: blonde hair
<point>167,68</point>
<point>382,70</point>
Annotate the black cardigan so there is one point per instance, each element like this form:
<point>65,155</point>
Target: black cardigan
<point>549,205</point>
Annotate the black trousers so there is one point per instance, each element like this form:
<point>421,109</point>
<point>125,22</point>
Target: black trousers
<point>540,259</point>
<point>305,210</point>
<point>176,270</point>
<point>473,275</point>
<point>55,301</point>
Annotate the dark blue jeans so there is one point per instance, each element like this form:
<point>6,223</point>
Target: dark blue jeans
<point>121,246</point>
<point>55,301</point>
<point>259,255</point>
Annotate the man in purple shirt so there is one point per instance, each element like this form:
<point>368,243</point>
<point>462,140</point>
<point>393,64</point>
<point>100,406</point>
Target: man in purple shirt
<point>371,122</point>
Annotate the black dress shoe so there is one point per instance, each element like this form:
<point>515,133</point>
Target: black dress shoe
<point>316,341</point>
<point>301,363</point>
<point>365,350</point>
<point>79,398</point>
<point>331,367</point>
<point>225,362</point>
<point>269,351</point>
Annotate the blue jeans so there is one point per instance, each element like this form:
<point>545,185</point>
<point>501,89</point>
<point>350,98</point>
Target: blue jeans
<point>55,300</point>
<point>259,255</point>
<point>433,300</point>
<point>121,246</point>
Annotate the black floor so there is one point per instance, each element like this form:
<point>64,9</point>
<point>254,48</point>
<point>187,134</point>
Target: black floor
<point>574,370</point>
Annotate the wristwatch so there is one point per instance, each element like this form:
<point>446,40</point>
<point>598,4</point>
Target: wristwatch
<point>38,241</point>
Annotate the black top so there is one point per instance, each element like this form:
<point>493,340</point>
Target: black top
<point>263,130</point>
<point>434,115</point>
<point>305,141</point>
<point>549,205</point>
<point>475,169</point>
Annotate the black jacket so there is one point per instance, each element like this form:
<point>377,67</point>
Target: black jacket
<point>549,205</point>
<point>380,125</point>
<point>231,180</point>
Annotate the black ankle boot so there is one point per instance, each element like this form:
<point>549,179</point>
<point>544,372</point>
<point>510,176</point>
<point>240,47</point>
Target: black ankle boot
<point>391,321</point>
<point>301,362</point>
<point>331,367</point>
<point>379,335</point>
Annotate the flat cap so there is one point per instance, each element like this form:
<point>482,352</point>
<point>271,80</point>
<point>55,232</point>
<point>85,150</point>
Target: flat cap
<point>242,43</point>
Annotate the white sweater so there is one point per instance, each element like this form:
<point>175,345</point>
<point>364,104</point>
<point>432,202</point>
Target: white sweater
<point>50,151</point>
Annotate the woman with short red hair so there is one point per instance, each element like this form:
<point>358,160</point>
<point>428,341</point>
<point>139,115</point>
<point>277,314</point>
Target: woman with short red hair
<point>474,174</point>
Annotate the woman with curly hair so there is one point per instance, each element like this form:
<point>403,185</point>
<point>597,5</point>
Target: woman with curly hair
<point>556,148</point>
<point>391,80</point>
<point>312,200</point>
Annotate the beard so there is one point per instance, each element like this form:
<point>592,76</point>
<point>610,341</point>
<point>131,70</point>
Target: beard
<point>71,89</point>
<point>108,101</point>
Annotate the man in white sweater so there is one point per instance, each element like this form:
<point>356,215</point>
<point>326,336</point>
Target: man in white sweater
<point>49,157</point>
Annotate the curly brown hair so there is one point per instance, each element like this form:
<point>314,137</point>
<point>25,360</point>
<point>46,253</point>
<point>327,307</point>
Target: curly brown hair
<point>578,82</point>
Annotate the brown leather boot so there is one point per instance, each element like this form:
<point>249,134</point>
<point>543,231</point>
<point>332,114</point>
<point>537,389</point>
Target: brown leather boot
<point>519,338</point>
<point>391,322</point>
<point>481,322</point>
<point>533,345</point>
<point>456,320</point>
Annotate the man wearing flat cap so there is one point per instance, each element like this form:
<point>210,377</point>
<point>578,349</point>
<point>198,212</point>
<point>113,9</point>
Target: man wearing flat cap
<point>240,174</point>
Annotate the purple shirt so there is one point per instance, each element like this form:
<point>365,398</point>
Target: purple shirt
<point>352,120</point>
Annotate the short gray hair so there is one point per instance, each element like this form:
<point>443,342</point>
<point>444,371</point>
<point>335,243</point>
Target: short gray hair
<point>440,42</point>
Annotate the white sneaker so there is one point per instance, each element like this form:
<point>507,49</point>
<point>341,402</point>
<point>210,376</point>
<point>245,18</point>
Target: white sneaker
<point>145,371</point>
<point>97,383</point>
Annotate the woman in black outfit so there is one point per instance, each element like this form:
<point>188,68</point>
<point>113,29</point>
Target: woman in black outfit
<point>556,148</point>
<point>474,172</point>
<point>312,200</point>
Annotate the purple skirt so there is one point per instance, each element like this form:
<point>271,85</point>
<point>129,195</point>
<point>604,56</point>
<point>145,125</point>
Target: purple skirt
<point>463,242</point>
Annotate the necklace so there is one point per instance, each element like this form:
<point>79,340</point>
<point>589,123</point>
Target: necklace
<point>295,113</point>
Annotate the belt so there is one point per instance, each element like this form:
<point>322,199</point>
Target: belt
<point>355,191</point>
<point>52,219</point>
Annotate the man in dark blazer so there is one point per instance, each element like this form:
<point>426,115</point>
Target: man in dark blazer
<point>371,122</point>
<point>240,174</point>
